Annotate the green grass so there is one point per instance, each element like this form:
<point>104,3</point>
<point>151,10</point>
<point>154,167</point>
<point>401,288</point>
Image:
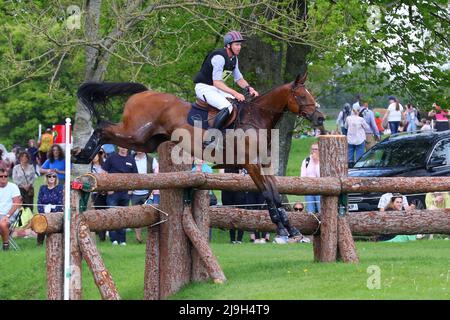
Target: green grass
<point>412,270</point>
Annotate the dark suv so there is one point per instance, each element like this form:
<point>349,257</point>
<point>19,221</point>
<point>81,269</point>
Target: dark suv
<point>402,155</point>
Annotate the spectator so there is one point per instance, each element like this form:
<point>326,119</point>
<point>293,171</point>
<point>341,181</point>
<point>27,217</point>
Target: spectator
<point>396,203</point>
<point>310,168</point>
<point>108,148</point>
<point>233,198</point>
<point>10,202</point>
<point>437,200</point>
<point>298,207</point>
<point>372,133</point>
<point>55,163</point>
<point>255,201</point>
<point>4,162</point>
<point>426,126</point>
<point>411,118</point>
<point>144,164</point>
<point>442,123</point>
<point>99,198</point>
<point>45,145</point>
<point>119,162</point>
<point>394,114</point>
<point>357,104</point>
<point>33,153</point>
<point>386,199</point>
<point>50,199</point>
<point>340,121</point>
<point>379,123</point>
<point>356,135</point>
<point>155,193</point>
<point>23,177</point>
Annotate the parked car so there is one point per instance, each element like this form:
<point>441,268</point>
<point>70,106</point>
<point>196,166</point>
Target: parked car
<point>402,155</point>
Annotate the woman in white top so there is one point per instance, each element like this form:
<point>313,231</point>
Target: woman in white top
<point>394,114</point>
<point>356,135</point>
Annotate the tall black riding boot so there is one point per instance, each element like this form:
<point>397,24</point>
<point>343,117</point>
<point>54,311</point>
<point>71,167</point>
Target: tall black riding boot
<point>219,122</point>
<point>221,118</point>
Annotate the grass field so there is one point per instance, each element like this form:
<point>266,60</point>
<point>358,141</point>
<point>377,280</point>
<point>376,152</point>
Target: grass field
<point>411,270</point>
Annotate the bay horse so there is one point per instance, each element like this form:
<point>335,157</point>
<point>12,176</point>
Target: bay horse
<point>150,118</point>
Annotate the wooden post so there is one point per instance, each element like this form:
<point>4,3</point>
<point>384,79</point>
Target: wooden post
<point>201,245</point>
<point>75,253</point>
<point>334,163</point>
<point>54,249</point>
<point>175,257</point>
<point>152,269</point>
<point>102,277</point>
<point>200,208</point>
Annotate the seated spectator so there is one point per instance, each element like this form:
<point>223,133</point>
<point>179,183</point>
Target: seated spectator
<point>396,203</point>
<point>50,199</point>
<point>387,197</point>
<point>55,163</point>
<point>9,205</point>
<point>437,200</point>
<point>24,176</point>
<point>299,207</point>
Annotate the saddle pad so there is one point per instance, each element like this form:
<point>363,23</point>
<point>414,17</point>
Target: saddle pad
<point>198,114</point>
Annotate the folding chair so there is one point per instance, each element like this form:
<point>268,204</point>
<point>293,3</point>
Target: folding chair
<point>16,223</point>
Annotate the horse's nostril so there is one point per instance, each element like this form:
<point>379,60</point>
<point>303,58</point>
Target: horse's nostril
<point>320,120</point>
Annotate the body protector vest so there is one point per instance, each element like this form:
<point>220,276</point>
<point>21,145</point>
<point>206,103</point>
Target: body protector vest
<point>205,73</point>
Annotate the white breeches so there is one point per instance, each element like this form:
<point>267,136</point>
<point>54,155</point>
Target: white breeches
<point>214,96</point>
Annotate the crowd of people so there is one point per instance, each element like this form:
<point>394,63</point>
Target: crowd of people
<point>364,127</point>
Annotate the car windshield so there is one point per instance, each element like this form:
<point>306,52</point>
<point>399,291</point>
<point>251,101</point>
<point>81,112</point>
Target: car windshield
<point>410,153</point>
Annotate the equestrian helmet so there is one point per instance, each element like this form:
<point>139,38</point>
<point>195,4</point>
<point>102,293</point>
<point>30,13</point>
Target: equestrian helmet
<point>232,36</point>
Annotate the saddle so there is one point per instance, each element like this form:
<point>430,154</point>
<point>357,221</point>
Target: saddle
<point>210,112</point>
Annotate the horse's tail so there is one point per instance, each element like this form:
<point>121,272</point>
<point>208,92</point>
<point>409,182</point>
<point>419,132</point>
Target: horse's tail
<point>99,92</point>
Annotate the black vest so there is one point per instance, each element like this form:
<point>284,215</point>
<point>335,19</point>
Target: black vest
<point>205,73</point>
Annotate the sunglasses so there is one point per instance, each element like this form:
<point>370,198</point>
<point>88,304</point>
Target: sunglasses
<point>5,176</point>
<point>51,176</point>
<point>298,209</point>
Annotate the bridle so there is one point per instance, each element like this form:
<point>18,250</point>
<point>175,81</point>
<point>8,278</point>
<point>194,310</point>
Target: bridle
<point>301,105</point>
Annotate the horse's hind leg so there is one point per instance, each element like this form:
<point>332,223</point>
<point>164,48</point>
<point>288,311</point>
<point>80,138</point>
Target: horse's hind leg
<point>85,155</point>
<point>266,184</point>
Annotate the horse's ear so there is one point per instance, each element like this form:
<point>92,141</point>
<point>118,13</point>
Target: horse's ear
<point>300,79</point>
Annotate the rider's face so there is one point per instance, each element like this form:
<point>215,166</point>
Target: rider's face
<point>236,47</point>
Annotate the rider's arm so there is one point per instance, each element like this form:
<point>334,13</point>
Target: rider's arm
<point>218,63</point>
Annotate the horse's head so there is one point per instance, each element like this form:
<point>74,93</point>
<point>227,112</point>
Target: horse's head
<point>302,103</point>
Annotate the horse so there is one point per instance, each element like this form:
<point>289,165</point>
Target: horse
<point>150,118</point>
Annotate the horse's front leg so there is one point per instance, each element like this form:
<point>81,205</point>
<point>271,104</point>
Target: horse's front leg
<point>266,184</point>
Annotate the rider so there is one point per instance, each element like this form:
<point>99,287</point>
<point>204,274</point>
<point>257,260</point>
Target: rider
<point>216,68</point>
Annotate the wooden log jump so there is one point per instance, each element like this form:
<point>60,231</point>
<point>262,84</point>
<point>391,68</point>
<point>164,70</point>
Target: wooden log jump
<point>177,249</point>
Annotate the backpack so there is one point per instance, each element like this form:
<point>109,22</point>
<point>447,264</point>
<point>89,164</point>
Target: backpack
<point>307,160</point>
<point>363,112</point>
